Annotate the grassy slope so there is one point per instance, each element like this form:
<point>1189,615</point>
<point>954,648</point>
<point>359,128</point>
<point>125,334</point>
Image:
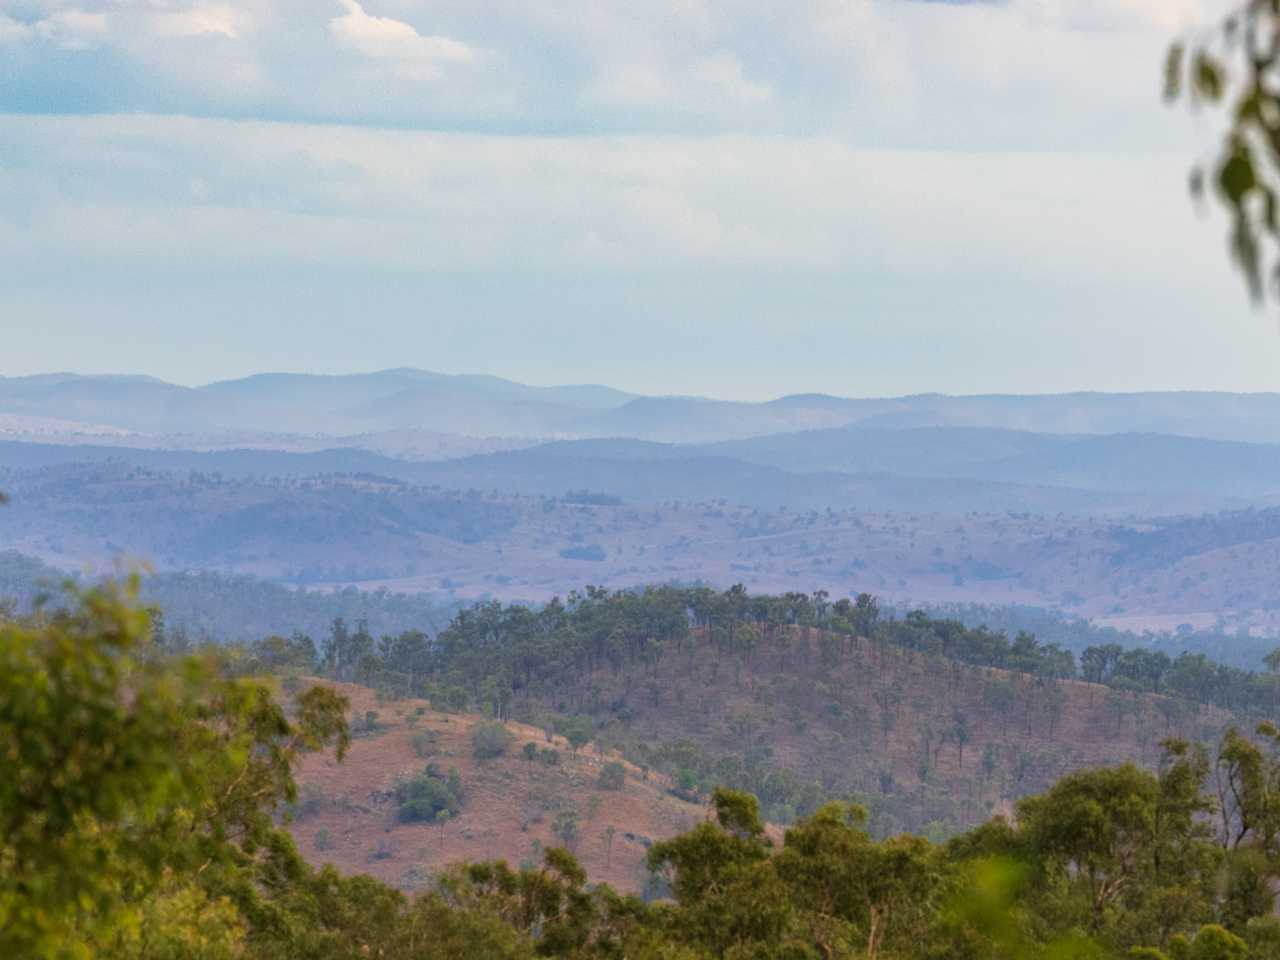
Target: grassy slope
<point>510,803</point>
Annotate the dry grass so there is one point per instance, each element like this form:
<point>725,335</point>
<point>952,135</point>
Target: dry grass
<point>500,818</point>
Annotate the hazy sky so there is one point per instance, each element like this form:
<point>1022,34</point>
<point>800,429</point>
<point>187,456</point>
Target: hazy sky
<point>699,196</point>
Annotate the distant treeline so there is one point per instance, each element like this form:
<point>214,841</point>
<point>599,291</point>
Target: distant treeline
<point>204,606</point>
<point>1076,633</point>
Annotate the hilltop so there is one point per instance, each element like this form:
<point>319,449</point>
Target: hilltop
<point>930,725</point>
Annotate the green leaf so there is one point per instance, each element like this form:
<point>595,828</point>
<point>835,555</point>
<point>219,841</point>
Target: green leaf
<point>1173,71</point>
<point>1207,77</point>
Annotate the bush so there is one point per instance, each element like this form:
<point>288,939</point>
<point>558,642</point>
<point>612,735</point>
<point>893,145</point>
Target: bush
<point>427,795</point>
<point>577,730</point>
<point>550,757</point>
<point>310,801</point>
<point>613,776</point>
<point>424,744</point>
<point>323,840</point>
<point>490,740</point>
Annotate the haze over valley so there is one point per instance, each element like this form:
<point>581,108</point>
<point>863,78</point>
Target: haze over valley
<point>1145,512</point>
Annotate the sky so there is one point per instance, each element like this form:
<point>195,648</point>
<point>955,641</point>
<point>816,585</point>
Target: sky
<point>723,197</point>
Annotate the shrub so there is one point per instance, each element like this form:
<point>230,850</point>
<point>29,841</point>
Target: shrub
<point>323,840</point>
<point>424,744</point>
<point>490,740</point>
<point>530,751</point>
<point>428,794</point>
<point>613,776</point>
<point>310,801</point>
<point>550,757</point>
<point>577,730</point>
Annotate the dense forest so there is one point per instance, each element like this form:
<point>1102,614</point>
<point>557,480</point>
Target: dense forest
<point>141,812</point>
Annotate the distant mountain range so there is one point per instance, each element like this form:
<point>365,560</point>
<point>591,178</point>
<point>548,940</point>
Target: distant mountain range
<point>485,406</point>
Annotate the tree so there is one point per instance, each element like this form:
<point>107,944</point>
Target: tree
<point>608,836</point>
<point>577,730</point>
<point>424,797</point>
<point>489,740</point>
<point>613,776</point>
<point>960,732</point>
<point>876,891</point>
<point>118,768</point>
<point>1121,836</point>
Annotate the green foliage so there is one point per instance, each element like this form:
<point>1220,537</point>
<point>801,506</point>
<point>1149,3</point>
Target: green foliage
<point>1236,65</point>
<point>578,730</point>
<point>428,795</point>
<point>613,776</point>
<point>489,740</point>
<point>118,768</point>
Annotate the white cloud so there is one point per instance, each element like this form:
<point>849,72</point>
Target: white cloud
<point>397,43</point>
<point>73,29</point>
<point>123,187</point>
<point>1165,15</point>
<point>13,31</point>
<point>708,86</point>
<point>220,20</point>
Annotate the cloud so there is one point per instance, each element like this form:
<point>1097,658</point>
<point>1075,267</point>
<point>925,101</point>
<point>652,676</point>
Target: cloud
<point>149,189</point>
<point>706,85</point>
<point>13,31</point>
<point>73,29</point>
<point>887,269</point>
<point>1024,74</point>
<point>397,43</point>
<point>218,20</point>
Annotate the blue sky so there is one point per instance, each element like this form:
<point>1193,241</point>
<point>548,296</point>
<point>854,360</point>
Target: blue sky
<point>736,198</point>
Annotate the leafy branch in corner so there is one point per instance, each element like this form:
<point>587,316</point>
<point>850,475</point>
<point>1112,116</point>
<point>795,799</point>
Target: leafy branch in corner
<point>1235,65</point>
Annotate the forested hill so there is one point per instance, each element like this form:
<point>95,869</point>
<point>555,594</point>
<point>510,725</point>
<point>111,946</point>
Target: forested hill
<point>146,793</point>
<point>797,699</point>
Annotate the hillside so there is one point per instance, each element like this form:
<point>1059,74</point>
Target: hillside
<point>929,743</point>
<point>512,810</point>
<point>334,531</point>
